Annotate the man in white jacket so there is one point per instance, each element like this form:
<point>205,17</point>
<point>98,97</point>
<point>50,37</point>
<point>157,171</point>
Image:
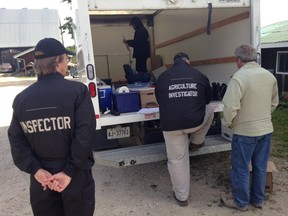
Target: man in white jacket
<point>251,97</point>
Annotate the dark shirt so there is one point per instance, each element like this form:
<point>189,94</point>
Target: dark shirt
<point>52,126</point>
<point>182,93</point>
<point>140,43</point>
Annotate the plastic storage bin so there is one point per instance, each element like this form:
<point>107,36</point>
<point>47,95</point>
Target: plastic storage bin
<point>126,102</point>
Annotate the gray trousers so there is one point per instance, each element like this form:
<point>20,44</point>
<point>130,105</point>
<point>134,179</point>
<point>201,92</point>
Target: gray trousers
<point>177,146</point>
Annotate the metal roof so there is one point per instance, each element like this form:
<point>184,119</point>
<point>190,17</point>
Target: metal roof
<point>275,33</point>
<point>25,27</point>
<point>23,53</point>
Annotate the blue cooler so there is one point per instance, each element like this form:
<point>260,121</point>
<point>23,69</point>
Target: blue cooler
<point>105,94</point>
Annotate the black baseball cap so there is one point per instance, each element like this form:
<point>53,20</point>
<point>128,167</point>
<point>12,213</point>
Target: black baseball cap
<point>181,55</point>
<point>49,47</point>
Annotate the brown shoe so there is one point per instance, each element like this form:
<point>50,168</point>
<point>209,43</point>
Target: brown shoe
<point>230,203</point>
<point>257,205</point>
<point>195,147</point>
<point>180,203</point>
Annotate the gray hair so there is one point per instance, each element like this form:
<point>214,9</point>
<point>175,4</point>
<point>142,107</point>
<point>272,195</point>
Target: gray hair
<point>246,53</point>
<point>47,66</point>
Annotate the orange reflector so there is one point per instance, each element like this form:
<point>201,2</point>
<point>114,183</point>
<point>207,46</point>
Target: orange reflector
<point>92,89</point>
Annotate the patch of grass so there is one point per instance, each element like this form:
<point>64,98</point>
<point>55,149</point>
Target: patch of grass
<point>280,134</point>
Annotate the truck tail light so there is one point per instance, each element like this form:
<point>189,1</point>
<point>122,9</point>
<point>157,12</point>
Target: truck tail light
<point>92,89</point>
<point>90,71</point>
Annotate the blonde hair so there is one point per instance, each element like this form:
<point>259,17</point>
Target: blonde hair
<point>47,66</point>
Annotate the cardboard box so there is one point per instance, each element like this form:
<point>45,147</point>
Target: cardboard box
<point>148,99</point>
<point>126,102</point>
<point>269,175</point>
<point>156,62</point>
<point>147,96</point>
<point>157,72</point>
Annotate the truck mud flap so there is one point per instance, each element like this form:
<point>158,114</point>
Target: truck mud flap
<point>154,152</point>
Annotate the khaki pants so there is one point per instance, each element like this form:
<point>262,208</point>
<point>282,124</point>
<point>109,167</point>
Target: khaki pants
<point>177,146</point>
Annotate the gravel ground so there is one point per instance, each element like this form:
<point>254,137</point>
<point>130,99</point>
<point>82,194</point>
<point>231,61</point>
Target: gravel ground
<point>142,190</point>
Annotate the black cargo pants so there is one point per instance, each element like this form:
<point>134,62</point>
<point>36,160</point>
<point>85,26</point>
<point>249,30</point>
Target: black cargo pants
<point>77,199</point>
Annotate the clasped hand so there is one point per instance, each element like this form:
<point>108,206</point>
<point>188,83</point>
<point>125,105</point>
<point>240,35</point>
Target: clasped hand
<point>57,182</point>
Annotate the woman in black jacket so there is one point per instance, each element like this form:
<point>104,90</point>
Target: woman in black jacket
<point>140,44</point>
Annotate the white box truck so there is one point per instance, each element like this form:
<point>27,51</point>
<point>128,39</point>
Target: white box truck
<point>207,30</point>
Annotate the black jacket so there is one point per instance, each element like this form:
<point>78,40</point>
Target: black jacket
<point>52,126</point>
<point>140,43</point>
<point>182,93</point>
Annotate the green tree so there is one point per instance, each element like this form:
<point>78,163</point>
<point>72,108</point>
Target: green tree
<point>72,49</point>
<point>66,27</point>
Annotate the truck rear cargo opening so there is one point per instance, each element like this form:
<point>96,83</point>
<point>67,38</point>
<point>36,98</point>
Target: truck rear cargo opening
<point>208,31</point>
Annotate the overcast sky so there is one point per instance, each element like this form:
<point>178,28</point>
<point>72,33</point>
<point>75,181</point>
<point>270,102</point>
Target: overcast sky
<point>271,10</point>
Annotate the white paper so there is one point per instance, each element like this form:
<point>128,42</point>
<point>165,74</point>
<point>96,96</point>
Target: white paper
<point>148,110</point>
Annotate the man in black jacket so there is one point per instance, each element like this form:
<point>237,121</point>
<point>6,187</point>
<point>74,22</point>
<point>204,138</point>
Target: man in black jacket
<point>183,94</point>
<point>51,136</point>
<point>140,44</point>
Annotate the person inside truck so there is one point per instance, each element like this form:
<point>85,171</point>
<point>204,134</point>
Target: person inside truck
<point>250,98</point>
<point>183,94</point>
<point>51,135</point>
<point>140,44</point>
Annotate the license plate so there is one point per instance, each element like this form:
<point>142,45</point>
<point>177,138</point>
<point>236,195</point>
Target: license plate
<point>118,132</point>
